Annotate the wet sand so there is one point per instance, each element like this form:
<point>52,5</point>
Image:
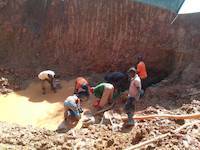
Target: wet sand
<point>30,107</point>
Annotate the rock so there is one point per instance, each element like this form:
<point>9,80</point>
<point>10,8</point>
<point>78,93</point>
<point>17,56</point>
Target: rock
<point>59,141</point>
<point>186,144</point>
<point>91,128</point>
<point>110,143</point>
<point>66,146</point>
<point>88,121</point>
<point>23,143</point>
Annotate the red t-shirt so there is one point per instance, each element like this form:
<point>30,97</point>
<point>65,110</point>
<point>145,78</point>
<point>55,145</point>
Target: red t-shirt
<point>141,69</point>
<point>79,82</point>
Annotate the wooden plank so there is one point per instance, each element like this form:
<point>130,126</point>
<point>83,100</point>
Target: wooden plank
<point>105,109</point>
<point>168,116</point>
<point>140,145</point>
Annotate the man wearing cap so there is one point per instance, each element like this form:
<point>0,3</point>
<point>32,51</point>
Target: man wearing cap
<point>133,94</point>
<point>82,86</point>
<point>48,76</point>
<point>141,70</point>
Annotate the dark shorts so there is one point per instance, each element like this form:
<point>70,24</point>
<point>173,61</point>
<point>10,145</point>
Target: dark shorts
<point>144,83</point>
<point>129,106</point>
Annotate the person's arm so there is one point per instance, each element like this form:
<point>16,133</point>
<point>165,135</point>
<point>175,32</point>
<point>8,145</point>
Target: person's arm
<point>78,103</point>
<point>116,95</point>
<point>137,85</point>
<point>138,68</point>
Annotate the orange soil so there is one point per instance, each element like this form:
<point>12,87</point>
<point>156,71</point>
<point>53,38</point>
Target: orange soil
<point>30,107</point>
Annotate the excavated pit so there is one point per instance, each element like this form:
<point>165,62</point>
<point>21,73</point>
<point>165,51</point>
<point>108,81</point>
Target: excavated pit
<point>66,37</point>
<point>85,38</point>
<point>32,108</point>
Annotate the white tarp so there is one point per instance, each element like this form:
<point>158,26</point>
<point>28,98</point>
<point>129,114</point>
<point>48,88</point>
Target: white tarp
<point>190,6</point>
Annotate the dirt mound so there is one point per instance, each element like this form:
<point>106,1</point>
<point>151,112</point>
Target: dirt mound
<point>100,136</point>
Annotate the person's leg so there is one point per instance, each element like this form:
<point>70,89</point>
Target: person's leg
<point>71,110</point>
<point>76,114</point>
<point>129,109</point>
<point>43,86</point>
<point>144,83</point>
<point>52,85</point>
<point>66,112</point>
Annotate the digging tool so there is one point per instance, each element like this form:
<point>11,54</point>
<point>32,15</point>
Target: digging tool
<point>168,116</point>
<point>140,145</point>
<point>79,125</point>
<point>105,109</point>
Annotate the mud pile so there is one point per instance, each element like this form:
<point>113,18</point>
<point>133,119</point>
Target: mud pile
<point>9,80</point>
<point>100,136</point>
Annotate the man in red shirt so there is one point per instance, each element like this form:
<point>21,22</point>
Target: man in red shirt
<point>82,86</point>
<point>142,72</point>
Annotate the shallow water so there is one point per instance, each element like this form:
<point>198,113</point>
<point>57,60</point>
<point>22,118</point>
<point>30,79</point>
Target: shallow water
<point>30,107</point>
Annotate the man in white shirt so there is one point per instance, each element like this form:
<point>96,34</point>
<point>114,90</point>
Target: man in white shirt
<point>49,76</point>
<point>133,94</point>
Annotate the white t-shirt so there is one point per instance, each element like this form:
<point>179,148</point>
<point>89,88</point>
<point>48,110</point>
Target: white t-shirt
<point>134,86</point>
<point>72,102</point>
<point>72,98</point>
<point>44,74</point>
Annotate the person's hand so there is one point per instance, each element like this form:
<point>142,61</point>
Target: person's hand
<point>91,90</point>
<point>141,92</point>
<point>124,96</point>
<point>96,103</point>
<point>80,110</point>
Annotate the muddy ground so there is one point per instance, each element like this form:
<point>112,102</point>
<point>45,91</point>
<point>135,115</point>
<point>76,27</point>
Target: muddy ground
<point>159,99</point>
<point>102,137</point>
<point>72,38</point>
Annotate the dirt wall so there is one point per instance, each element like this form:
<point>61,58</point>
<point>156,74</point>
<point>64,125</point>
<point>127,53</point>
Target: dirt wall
<point>80,36</point>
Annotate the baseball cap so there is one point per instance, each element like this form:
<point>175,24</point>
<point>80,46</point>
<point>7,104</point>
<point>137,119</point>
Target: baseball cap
<point>132,69</point>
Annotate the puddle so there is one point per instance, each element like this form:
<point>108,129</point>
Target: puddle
<point>30,107</point>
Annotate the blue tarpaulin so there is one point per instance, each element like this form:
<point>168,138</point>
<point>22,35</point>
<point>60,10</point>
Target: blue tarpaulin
<point>172,5</point>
